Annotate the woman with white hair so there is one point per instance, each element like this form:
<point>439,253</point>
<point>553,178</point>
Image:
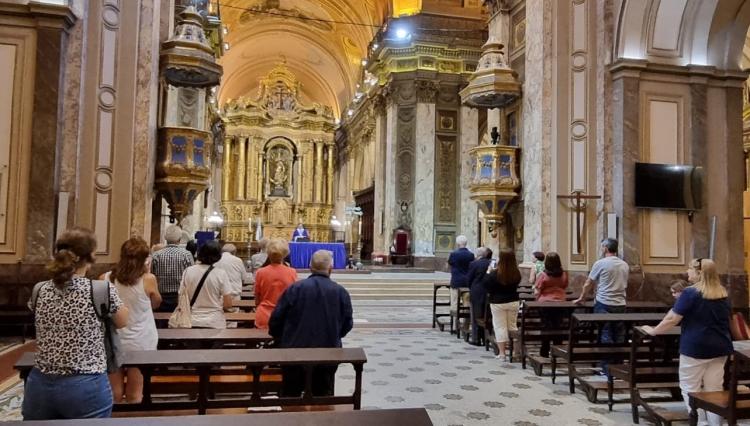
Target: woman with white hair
<point>703,312</point>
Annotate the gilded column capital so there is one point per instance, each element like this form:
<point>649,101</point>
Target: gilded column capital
<point>427,91</point>
<point>379,103</point>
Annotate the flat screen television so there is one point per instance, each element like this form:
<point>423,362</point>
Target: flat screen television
<point>668,186</point>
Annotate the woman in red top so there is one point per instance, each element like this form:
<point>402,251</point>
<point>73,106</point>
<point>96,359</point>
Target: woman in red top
<point>550,287</point>
<point>271,281</point>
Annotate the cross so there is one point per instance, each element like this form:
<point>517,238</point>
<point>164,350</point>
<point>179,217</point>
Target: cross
<point>579,208</point>
<point>280,92</point>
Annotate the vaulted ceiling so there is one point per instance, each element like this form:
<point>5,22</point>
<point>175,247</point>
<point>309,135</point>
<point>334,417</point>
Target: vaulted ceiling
<point>314,37</point>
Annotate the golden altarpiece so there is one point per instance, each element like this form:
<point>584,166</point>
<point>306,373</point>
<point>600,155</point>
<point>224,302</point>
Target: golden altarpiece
<point>278,162</point>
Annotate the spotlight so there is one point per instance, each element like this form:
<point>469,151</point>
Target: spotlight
<point>402,33</point>
<point>375,46</point>
<point>364,62</point>
<point>350,113</point>
<point>225,30</point>
<point>226,47</point>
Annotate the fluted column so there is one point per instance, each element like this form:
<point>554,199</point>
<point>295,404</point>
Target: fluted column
<point>319,172</point>
<point>241,167</point>
<point>298,179</point>
<point>259,180</point>
<point>252,171</point>
<point>226,184</point>
<point>329,176</point>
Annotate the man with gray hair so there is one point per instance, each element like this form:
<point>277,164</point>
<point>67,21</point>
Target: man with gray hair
<point>167,265</point>
<point>234,267</point>
<point>258,259</point>
<point>459,261</point>
<point>477,270</point>
<point>313,313</point>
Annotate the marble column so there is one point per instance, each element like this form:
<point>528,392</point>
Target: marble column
<point>241,167</point>
<point>424,185</point>
<point>319,173</point>
<point>259,180</point>
<point>469,138</point>
<point>379,236</point>
<point>390,207</point>
<point>537,127</point>
<point>226,193</point>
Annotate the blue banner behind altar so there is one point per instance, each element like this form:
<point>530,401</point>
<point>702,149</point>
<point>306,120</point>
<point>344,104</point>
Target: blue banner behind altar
<point>301,253</point>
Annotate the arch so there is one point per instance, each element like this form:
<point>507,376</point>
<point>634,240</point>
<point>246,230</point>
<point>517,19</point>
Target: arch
<point>683,32</point>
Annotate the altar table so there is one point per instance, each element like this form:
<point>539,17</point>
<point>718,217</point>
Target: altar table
<point>301,253</point>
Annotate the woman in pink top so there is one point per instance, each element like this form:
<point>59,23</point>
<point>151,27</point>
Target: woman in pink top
<point>271,281</point>
<point>550,287</point>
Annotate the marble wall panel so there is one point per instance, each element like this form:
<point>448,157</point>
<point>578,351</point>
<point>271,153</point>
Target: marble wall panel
<point>469,138</point>
<point>424,182</point>
<point>405,165</point>
<point>390,206</point>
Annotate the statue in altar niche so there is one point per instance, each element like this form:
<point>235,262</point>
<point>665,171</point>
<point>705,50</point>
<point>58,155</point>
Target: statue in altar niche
<point>279,167</point>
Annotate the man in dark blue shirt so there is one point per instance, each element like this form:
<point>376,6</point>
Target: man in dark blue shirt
<point>313,313</point>
<point>459,261</point>
<point>477,271</point>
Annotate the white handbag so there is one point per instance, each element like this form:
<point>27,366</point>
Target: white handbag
<point>181,317</point>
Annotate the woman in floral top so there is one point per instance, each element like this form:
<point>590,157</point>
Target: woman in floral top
<point>69,380</point>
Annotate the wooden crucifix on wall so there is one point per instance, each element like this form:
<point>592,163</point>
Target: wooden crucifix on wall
<point>579,208</point>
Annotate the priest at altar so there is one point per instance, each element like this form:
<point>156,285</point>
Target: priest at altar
<point>300,233</point>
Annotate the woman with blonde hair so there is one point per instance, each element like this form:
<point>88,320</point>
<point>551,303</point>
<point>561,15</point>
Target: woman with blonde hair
<point>703,311</point>
<point>140,293</point>
<point>271,281</point>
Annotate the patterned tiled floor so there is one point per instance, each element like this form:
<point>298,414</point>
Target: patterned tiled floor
<point>459,384</point>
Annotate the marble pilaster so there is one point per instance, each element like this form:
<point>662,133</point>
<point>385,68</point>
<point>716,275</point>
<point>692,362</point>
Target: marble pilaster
<point>145,114</point>
<point>469,138</point>
<point>537,127</point>
<point>40,216</point>
<point>424,185</point>
<point>390,208</point>
<point>625,152</point>
<point>380,240</point>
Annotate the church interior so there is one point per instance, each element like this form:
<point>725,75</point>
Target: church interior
<point>390,129</point>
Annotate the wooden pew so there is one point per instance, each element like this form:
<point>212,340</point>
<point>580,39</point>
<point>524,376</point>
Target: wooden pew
<point>435,304</point>
<point>244,305</point>
<point>583,345</point>
<point>395,417</point>
<point>652,364</point>
<point>732,404</point>
<point>207,362</point>
<point>244,319</point>
<point>530,329</point>
<point>22,319</point>
<point>195,338</point>
<point>249,295</point>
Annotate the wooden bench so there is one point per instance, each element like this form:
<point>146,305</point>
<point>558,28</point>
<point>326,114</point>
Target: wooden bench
<point>247,295</point>
<point>244,305</point>
<point>207,362</point>
<point>463,311</point>
<point>394,417</point>
<point>243,319</point>
<point>584,345</point>
<point>435,304</point>
<point>196,338</point>
<point>732,404</point>
<point>22,319</point>
<point>530,329</point>
<point>652,365</point>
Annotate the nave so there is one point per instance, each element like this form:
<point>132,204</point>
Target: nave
<point>417,366</point>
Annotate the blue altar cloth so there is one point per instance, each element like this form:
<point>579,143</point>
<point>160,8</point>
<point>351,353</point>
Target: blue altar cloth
<point>301,253</point>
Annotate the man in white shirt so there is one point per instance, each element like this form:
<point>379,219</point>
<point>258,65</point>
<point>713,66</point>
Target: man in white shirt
<point>235,269</point>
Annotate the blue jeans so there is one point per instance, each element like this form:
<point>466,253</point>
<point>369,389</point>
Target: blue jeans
<point>611,332</point>
<point>49,396</point>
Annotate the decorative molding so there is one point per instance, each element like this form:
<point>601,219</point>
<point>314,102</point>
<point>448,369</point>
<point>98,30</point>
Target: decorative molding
<point>427,91</point>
